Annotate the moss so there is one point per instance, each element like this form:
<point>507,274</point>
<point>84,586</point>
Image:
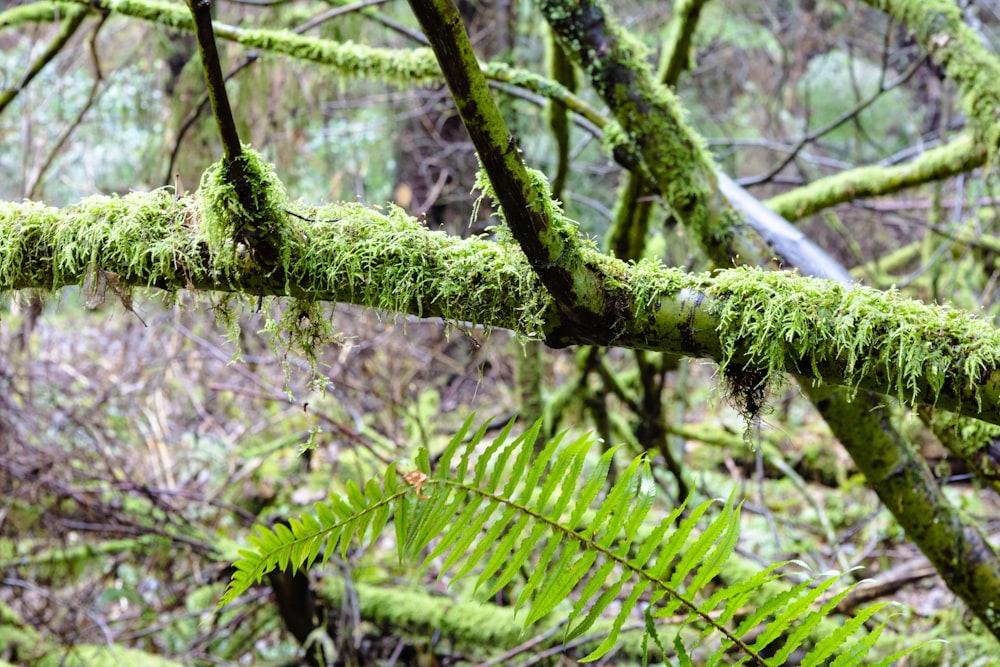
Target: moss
<point>958,156</point>
<point>651,116</point>
<point>237,224</point>
<point>468,623</point>
<point>136,234</point>
<point>37,12</point>
<point>777,323</point>
<point>403,67</point>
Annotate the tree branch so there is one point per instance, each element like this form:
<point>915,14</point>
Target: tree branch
<point>551,244</point>
<point>72,19</point>
<point>961,155</point>
<point>201,10</point>
<point>776,322</point>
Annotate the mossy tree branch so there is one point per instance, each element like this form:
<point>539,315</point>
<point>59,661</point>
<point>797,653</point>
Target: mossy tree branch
<point>904,483</point>
<point>651,123</point>
<point>649,114</point>
<point>776,322</point>
<point>975,70</point>
<point>627,236</point>
<point>551,244</point>
<point>960,155</point>
<point>403,67</point>
<point>245,212</point>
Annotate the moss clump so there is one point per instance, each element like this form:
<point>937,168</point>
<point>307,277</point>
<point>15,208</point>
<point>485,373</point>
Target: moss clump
<point>135,236</point>
<point>243,213</point>
<point>779,322</point>
<point>389,261</point>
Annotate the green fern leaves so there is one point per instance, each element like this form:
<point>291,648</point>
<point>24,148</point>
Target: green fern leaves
<point>547,528</point>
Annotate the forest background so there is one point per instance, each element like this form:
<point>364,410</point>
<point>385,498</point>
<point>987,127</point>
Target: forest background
<point>143,432</point>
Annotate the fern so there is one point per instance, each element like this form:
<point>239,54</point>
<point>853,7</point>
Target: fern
<point>541,514</point>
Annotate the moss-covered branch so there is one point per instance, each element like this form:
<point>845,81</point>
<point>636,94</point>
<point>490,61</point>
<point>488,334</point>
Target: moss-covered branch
<point>627,236</point>
<point>402,67</point>
<point>649,114</point>
<point>965,559</point>
<point>766,323</point>
<point>550,242</point>
<point>958,156</point>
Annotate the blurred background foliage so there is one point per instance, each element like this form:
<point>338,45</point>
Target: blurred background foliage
<point>133,458</point>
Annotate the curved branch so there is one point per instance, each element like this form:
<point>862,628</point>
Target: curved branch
<point>906,486</point>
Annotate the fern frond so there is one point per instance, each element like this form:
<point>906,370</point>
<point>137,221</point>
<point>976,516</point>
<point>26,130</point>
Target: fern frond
<point>300,543</point>
<point>510,514</point>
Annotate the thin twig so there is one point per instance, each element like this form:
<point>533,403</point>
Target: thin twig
<point>31,185</point>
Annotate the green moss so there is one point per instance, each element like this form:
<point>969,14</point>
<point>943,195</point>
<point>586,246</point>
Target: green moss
<point>37,12</point>
<point>778,322</point>
<point>958,156</point>
<point>134,236</point>
<point>560,241</point>
<point>237,222</point>
<point>403,67</point>
<point>468,623</point>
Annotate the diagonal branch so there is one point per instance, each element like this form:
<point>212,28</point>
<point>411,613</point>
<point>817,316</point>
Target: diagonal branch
<point>551,244</point>
<point>201,10</point>
<point>624,82</point>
